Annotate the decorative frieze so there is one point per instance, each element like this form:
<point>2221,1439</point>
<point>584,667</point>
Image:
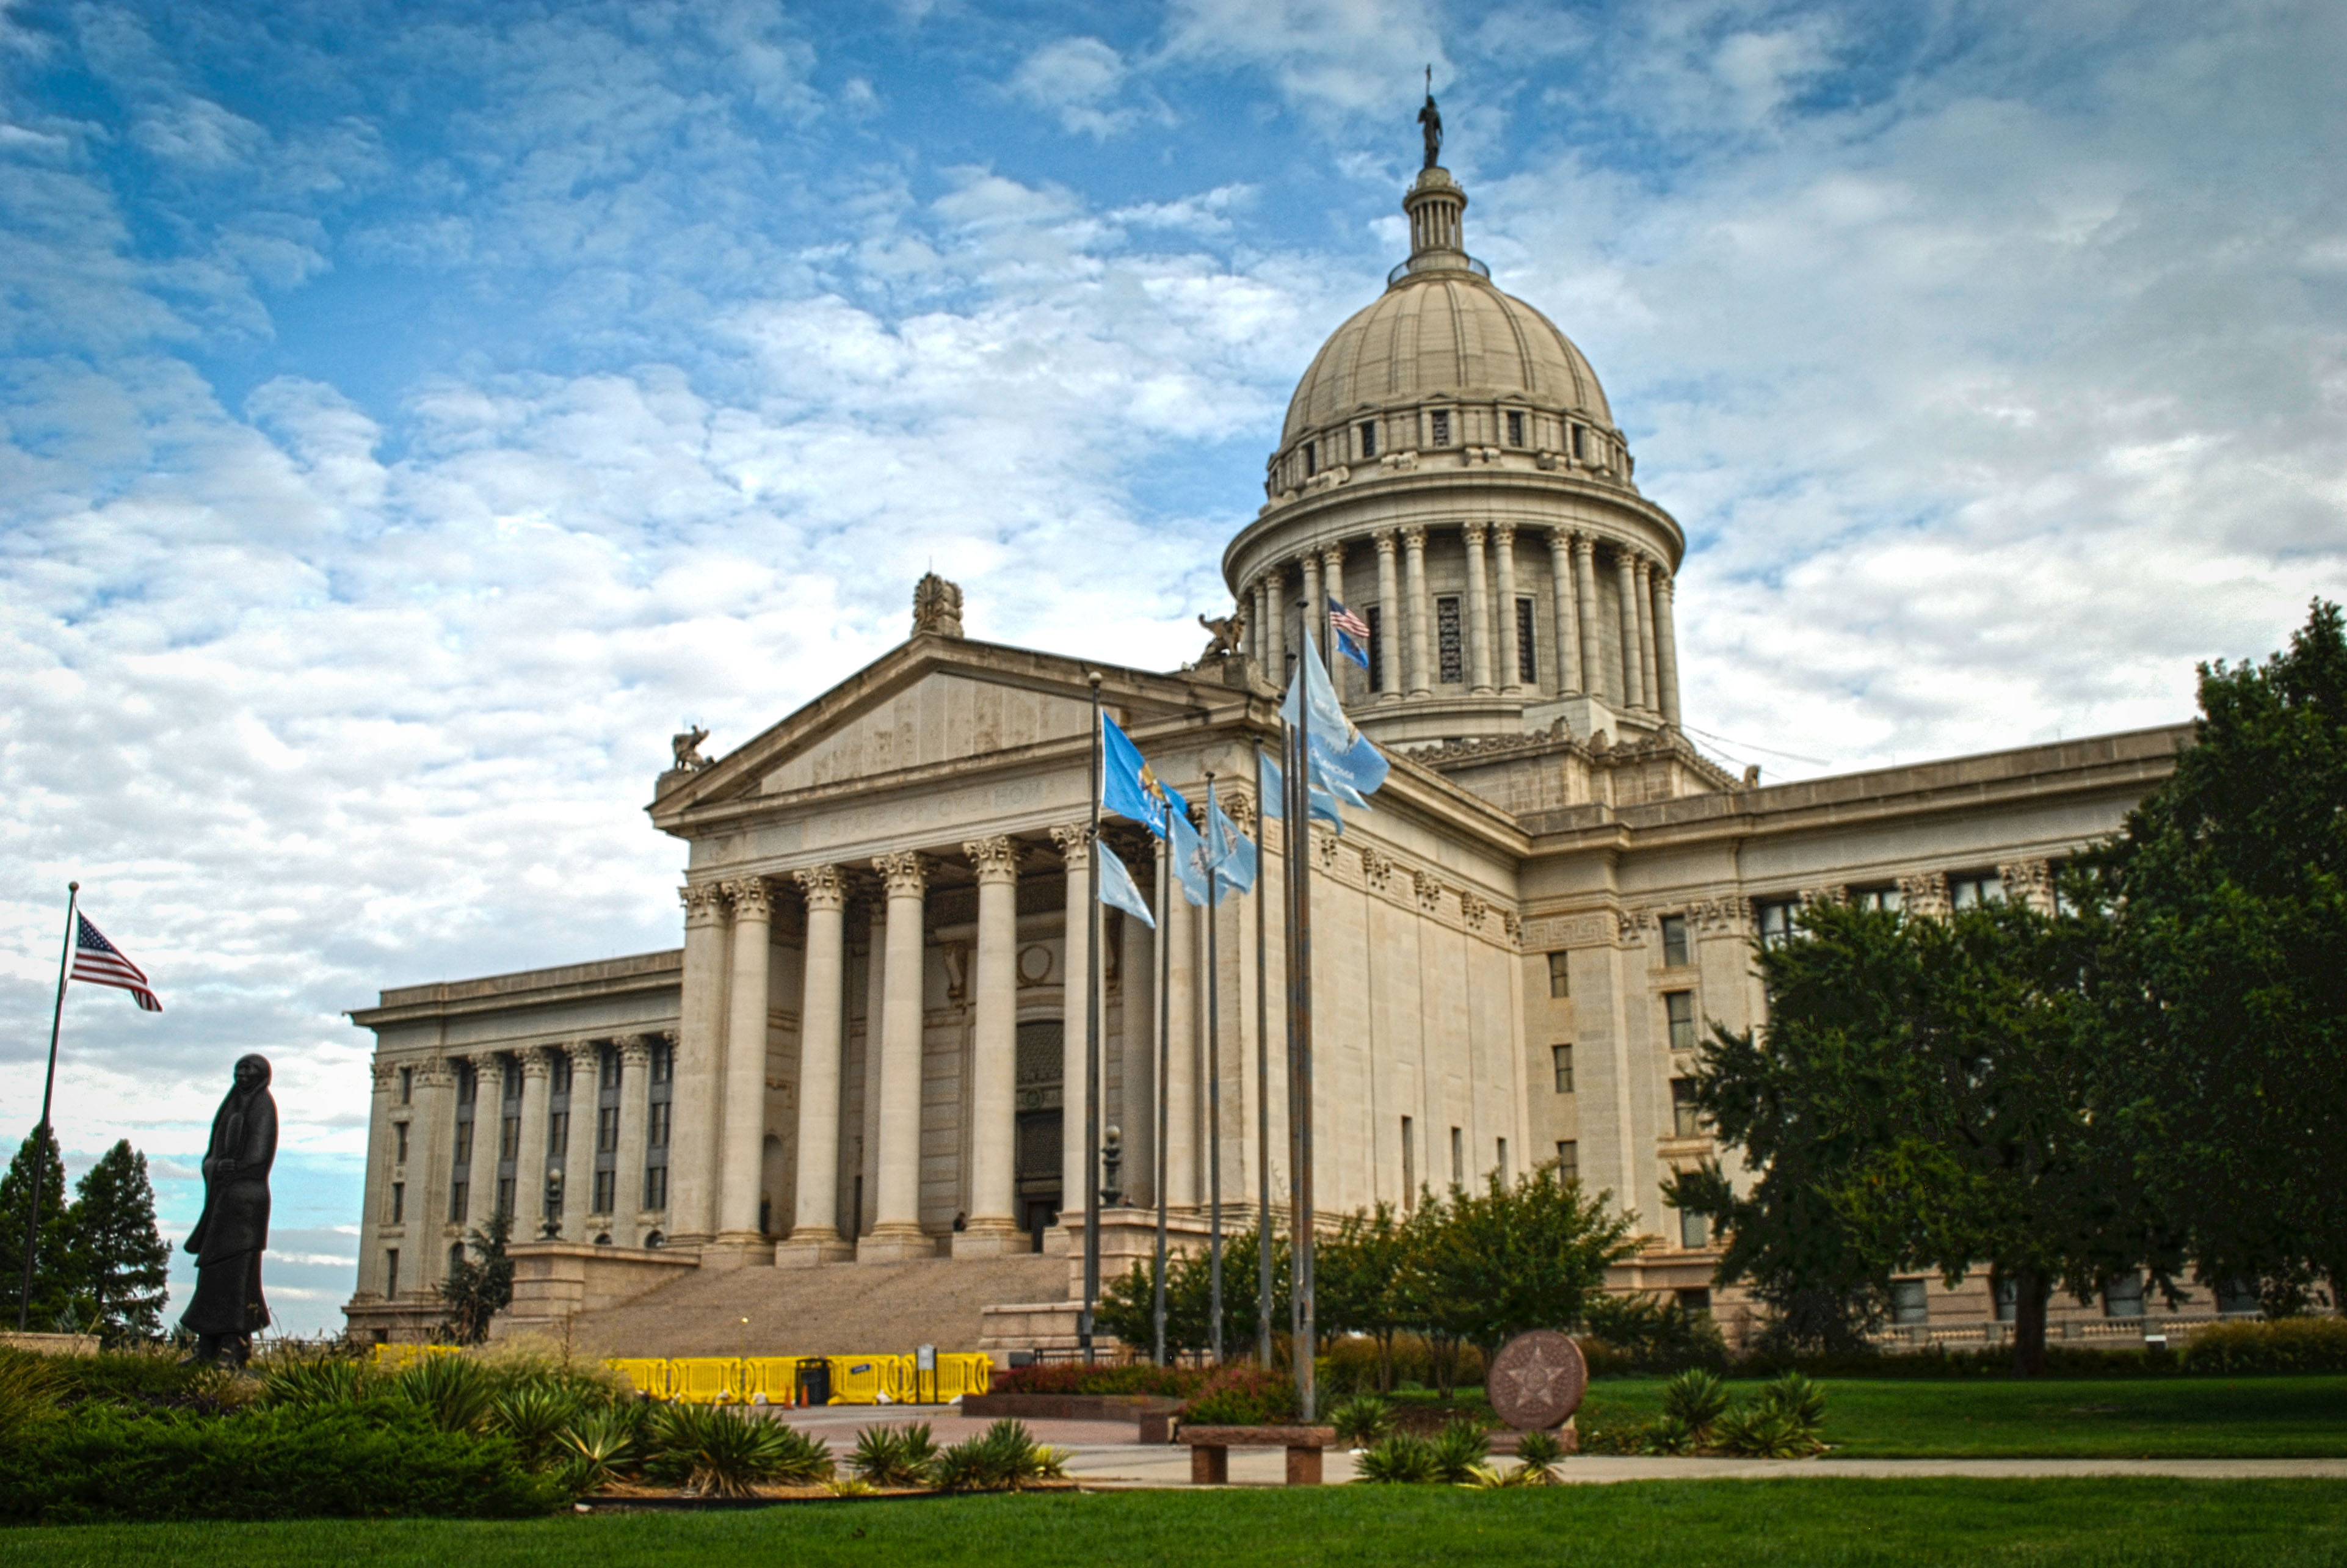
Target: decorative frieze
<point>1428,889</point>
<point>1473,909</point>
<point>1376,869</point>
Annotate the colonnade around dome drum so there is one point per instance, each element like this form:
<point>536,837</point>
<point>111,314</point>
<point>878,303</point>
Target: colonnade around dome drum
<point>1450,606</point>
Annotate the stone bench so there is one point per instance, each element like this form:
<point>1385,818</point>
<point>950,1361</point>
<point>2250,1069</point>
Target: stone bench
<point>1210,1450</point>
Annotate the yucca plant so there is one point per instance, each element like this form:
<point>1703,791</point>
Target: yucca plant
<point>313,1384</point>
<point>1696,1398</point>
<point>710,1452</point>
<point>1362,1420</point>
<point>1004,1459</point>
<point>452,1389</point>
<point>1538,1455</point>
<point>894,1456</point>
<point>1798,1398</point>
<point>1458,1449</point>
<point>1399,1459</point>
<point>600,1445</point>
<point>29,1386</point>
<point>534,1415</point>
<point>1760,1432</point>
<point>1669,1435</point>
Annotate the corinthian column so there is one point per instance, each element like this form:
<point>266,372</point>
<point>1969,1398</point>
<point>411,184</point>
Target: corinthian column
<point>1332,584</point>
<point>1511,656</point>
<point>1387,652</point>
<point>993,1226</point>
<point>1479,613</point>
<point>700,1051</point>
<point>635,1116</point>
<point>1181,1011</point>
<point>488,1143</point>
<point>1421,612</point>
<point>1667,648</point>
<point>1274,658</point>
<point>1625,588</point>
<point>529,1164</point>
<point>744,1118</point>
<point>1647,659</point>
<point>823,1032</point>
<point>1584,582</point>
<point>1075,842</point>
<point>579,1149</point>
<point>1568,634</point>
<point>1315,606</point>
<point>896,1233</point>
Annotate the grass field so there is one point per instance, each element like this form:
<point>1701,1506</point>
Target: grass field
<point>1668,1525</point>
<point>2098,1418</point>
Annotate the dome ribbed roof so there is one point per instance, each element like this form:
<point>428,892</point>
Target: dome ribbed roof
<point>1446,334</point>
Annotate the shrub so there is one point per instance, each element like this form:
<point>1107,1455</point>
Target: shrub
<point>1243,1397</point>
<point>151,1376</point>
<point>1538,1455</point>
<point>1461,1446</point>
<point>1696,1399</point>
<point>1762,1430</point>
<point>1800,1399</point>
<point>1168,1382</point>
<point>534,1415</point>
<point>1361,1420</point>
<point>2285,1345</point>
<point>347,1461</point>
<point>1670,1434</point>
<point>710,1452</point>
<point>598,1446</point>
<point>313,1384</point>
<point>894,1456</point>
<point>29,1386</point>
<point>452,1389</point>
<point>1642,1334</point>
<point>1402,1458</point>
<point>1004,1459</point>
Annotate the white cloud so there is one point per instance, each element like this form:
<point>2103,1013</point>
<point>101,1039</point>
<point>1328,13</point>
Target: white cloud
<point>1339,58</point>
<point>1075,79</point>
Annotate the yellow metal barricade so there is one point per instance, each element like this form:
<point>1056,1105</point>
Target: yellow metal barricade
<point>963,1372</point>
<point>705,1379</point>
<point>647,1376</point>
<point>862,1379</point>
<point>399,1358</point>
<point>776,1377</point>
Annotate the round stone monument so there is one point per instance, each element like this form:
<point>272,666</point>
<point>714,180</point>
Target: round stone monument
<point>1536,1381</point>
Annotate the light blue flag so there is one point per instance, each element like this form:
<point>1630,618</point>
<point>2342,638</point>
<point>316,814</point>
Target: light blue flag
<point>1344,761</point>
<point>1271,785</point>
<point>1189,852</point>
<point>1117,890</point>
<point>1234,851</point>
<point>1129,787</point>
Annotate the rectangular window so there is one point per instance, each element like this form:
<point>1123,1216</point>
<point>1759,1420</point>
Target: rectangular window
<point>407,1085</point>
<point>1409,1165</point>
<point>505,1196</point>
<point>2123,1296</point>
<point>509,1139</point>
<point>464,1143</point>
<point>1515,428</point>
<point>1694,1299</point>
<point>1674,941</point>
<point>1910,1303</point>
<point>399,1202</point>
<point>1875,897</point>
<point>560,1083</point>
<point>1311,458</point>
<point>468,1083</point>
<point>1974,889</point>
<point>1568,1159</point>
<point>664,1063</point>
<point>1577,448</point>
<point>656,1186</point>
<point>399,1142</point>
<point>1438,425</point>
<point>1368,439</point>
<point>391,1271</point>
<point>459,1197</point>
<point>1448,653</point>
<point>1679,1007</point>
<point>607,1129</point>
<point>1560,974</point>
<point>1561,1058</point>
<point>2236,1296</point>
<point>1375,616</point>
<point>1503,1160</point>
<point>1458,1158</point>
<point>558,1134</point>
<point>606,1069</point>
<point>1527,655</point>
<point>1776,922</point>
<point>656,1125</point>
<point>2008,1300</point>
<point>1695,1229</point>
<point>605,1185</point>
<point>1687,1116</point>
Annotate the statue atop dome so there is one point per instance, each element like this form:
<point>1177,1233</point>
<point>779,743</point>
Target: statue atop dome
<point>1429,123</point>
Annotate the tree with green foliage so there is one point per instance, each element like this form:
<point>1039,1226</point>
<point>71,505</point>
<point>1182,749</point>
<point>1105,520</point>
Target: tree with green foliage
<point>1944,1087</point>
<point>1517,1256</point>
<point>2227,888</point>
<point>1361,1281</point>
<point>1127,1308</point>
<point>120,1260</point>
<point>479,1287</point>
<point>55,1286</point>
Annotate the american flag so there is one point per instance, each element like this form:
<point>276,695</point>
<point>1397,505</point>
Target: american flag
<point>1346,621</point>
<point>101,963</point>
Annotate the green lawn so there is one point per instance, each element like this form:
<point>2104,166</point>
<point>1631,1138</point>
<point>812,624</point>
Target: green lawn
<point>1674,1524</point>
<point>2098,1418</point>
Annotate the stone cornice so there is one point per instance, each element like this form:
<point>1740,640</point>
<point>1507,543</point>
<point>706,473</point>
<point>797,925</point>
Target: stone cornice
<point>644,972</point>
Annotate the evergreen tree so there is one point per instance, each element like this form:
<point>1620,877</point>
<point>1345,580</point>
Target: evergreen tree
<point>52,1268</point>
<point>121,1259</point>
<point>480,1287</point>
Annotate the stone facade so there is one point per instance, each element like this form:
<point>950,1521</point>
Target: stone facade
<point>868,1047</point>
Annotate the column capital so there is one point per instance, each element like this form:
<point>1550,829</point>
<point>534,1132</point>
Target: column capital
<point>1559,539</point>
<point>385,1074</point>
<point>822,886</point>
<point>1664,579</point>
<point>1584,546</point>
<point>585,1053</point>
<point>704,903</point>
<point>1474,533</point>
<point>906,873</point>
<point>537,1060</point>
<point>1075,842</point>
<point>753,898</point>
<point>1414,536</point>
<point>1503,535</point>
<point>997,858</point>
<point>635,1051</point>
<point>1333,554</point>
<point>435,1072</point>
<point>1385,540</point>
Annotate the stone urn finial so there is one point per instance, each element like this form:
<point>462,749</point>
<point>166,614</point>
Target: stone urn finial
<point>937,606</point>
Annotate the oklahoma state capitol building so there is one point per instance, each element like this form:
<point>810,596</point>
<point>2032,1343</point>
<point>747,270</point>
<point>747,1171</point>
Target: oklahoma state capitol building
<point>869,1045</point>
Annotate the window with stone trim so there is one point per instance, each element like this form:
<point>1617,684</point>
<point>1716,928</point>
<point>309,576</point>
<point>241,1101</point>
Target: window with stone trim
<point>1579,450</point>
<point>399,1142</point>
<point>2123,1296</point>
<point>399,1202</point>
<point>1876,898</point>
<point>655,1186</point>
<point>1458,1158</point>
<point>1687,1116</point>
<point>1450,652</point>
<point>1695,1229</point>
<point>1505,1175</point>
<point>408,1086</point>
<point>1559,1059</point>
<point>1674,941</point>
<point>1368,439</point>
<point>1439,427</point>
<point>391,1271</point>
<point>1527,651</point>
<point>1972,889</point>
<point>1560,974</point>
<point>1694,1299</point>
<point>1910,1303</point>
<point>1515,427</point>
<point>1568,1159</point>
<point>1678,1010</point>
<point>607,1186</point>
<point>1311,458</point>
<point>1409,1165</point>
<point>1375,615</point>
<point>1776,918</point>
<point>460,1195</point>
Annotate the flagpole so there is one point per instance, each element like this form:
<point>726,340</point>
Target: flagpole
<point>1214,1095</point>
<point>1262,1086</point>
<point>1299,1028</point>
<point>1092,1044</point>
<point>49,1088</point>
<point>1164,1057</point>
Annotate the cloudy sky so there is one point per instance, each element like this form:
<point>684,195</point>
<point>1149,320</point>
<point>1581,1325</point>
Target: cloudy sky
<point>409,413</point>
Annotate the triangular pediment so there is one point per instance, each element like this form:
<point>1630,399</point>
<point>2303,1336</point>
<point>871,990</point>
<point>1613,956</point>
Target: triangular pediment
<point>943,716</point>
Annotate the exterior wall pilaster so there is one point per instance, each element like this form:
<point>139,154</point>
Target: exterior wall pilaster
<point>1503,561</point>
<point>1594,668</point>
<point>431,1132</point>
<point>699,1059</point>
<point>578,1146</point>
<point>744,1110</point>
<point>1568,629</point>
<point>1421,612</point>
<point>1390,620</point>
<point>635,1054</point>
<point>375,1212</point>
<point>993,1224</point>
<point>1666,647</point>
<point>1478,613</point>
<point>896,1233</point>
<point>823,1036</point>
<point>1075,842</point>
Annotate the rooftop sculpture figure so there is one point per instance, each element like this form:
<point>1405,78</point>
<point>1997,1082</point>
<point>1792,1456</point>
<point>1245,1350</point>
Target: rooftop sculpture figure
<point>1430,121</point>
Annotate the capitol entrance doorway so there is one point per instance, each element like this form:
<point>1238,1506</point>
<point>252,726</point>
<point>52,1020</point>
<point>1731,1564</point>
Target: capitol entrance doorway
<point>1040,1071</point>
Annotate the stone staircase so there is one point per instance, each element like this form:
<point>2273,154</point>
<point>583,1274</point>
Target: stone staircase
<point>843,1309</point>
